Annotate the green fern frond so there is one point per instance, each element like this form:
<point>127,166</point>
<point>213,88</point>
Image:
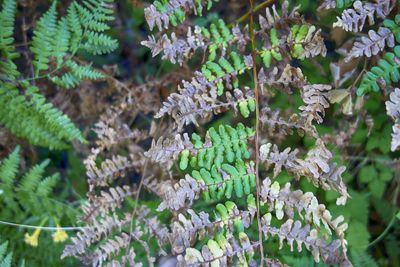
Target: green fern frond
<point>268,54</point>
<point>7,49</point>
<point>387,69</point>
<point>93,15</point>
<point>227,145</point>
<point>32,178</point>
<point>75,27</point>
<point>394,26</point>
<point>77,74</point>
<point>98,43</point>
<point>217,70</point>
<point>29,116</point>
<point>241,180</point>
<point>54,120</point>
<point>61,41</point>
<point>5,258</point>
<point>46,185</point>
<point>83,28</point>
<point>30,194</point>
<point>219,163</point>
<point>9,167</point>
<point>219,36</point>
<point>42,40</point>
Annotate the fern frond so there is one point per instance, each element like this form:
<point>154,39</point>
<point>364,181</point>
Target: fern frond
<point>204,89</point>
<point>46,186</point>
<point>93,14</point>
<point>223,250</point>
<point>56,121</point>
<point>385,73</point>
<point>76,75</point>
<point>30,194</point>
<point>317,167</point>
<point>315,97</point>
<point>98,43</point>
<point>371,45</point>
<point>83,28</point>
<point>75,27</point>
<point>293,231</point>
<point>354,19</point>
<point>42,40</point>
<point>284,201</point>
<point>61,41</point>
<point>228,142</point>
<point>5,259</point>
<point>32,178</point>
<point>239,179</point>
<point>9,167</point>
<point>7,49</point>
<point>29,116</point>
<point>216,38</point>
<point>394,26</point>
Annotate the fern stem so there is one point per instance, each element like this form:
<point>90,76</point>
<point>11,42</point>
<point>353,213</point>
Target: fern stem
<point>383,234</point>
<point>256,96</point>
<point>48,228</point>
<point>144,172</point>
<point>392,221</point>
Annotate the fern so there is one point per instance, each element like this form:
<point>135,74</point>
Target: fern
<point>217,199</point>
<point>30,117</point>
<point>29,199</point>
<point>26,113</point>
<point>7,258</point>
<point>8,69</point>
<point>83,29</point>
<point>385,72</point>
<point>354,19</point>
<point>215,72</point>
<point>228,143</point>
<point>43,39</point>
<point>31,194</point>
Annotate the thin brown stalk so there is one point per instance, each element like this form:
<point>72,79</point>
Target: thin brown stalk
<point>256,96</point>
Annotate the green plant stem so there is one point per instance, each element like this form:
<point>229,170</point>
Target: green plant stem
<point>383,234</point>
<point>392,221</point>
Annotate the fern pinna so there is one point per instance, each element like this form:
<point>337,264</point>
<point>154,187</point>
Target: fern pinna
<point>54,47</point>
<point>220,189</point>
